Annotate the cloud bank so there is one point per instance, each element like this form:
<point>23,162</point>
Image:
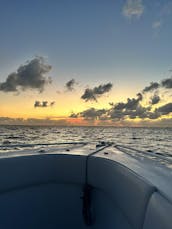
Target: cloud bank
<point>28,76</point>
<point>33,121</point>
<point>133,108</point>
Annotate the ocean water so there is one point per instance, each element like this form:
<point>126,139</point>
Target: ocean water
<point>145,139</point>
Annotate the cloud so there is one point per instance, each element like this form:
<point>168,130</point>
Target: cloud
<point>70,85</point>
<point>52,103</point>
<point>133,8</point>
<point>93,113</point>
<point>43,104</point>
<point>119,111</point>
<point>156,24</point>
<point>28,76</point>
<point>132,109</point>
<point>167,83</point>
<point>74,115</point>
<point>96,92</point>
<point>155,99</point>
<point>138,112</point>
<point>165,109</point>
<point>90,113</point>
<point>151,87</point>
<point>131,104</point>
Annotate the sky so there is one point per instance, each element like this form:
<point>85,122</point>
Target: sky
<point>94,62</point>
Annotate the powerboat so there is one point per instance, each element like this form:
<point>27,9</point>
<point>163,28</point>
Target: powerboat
<point>84,185</point>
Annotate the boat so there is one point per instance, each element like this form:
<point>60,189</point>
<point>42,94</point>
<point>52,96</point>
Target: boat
<point>85,185</point>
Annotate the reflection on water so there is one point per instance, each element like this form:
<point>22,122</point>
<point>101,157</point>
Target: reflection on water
<point>146,139</point>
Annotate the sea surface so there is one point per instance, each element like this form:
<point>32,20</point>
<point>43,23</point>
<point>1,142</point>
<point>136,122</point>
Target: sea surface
<point>145,139</point>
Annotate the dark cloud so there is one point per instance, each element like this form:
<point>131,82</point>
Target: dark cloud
<point>140,97</point>
<point>137,112</point>
<point>52,103</point>
<point>167,83</point>
<point>111,104</point>
<point>93,113</point>
<point>131,104</point>
<point>96,92</point>
<point>43,104</point>
<point>155,99</point>
<point>141,112</point>
<point>153,115</point>
<point>90,113</point>
<point>119,111</point>
<point>131,109</point>
<point>73,115</point>
<point>70,85</point>
<point>165,109</point>
<point>28,76</point>
<point>151,87</point>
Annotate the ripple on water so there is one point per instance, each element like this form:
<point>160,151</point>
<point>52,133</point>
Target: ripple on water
<point>154,139</point>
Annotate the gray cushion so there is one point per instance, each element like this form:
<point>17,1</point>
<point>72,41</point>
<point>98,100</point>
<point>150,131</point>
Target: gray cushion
<point>159,213</point>
<point>18,172</point>
<point>129,191</point>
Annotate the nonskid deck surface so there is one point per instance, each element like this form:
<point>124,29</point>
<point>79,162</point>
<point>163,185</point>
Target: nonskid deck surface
<point>89,148</point>
<point>7,149</point>
<point>53,148</point>
<point>45,187</point>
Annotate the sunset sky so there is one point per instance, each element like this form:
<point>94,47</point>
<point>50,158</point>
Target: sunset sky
<point>94,62</point>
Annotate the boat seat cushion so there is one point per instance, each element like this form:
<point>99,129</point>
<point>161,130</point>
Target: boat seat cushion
<point>129,191</point>
<point>159,213</point>
<point>24,171</point>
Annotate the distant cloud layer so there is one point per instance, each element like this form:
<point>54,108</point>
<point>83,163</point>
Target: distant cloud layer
<point>70,85</point>
<point>133,8</point>
<point>28,76</point>
<point>133,108</point>
<point>43,104</point>
<point>124,112</point>
<point>33,121</point>
<point>96,92</point>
